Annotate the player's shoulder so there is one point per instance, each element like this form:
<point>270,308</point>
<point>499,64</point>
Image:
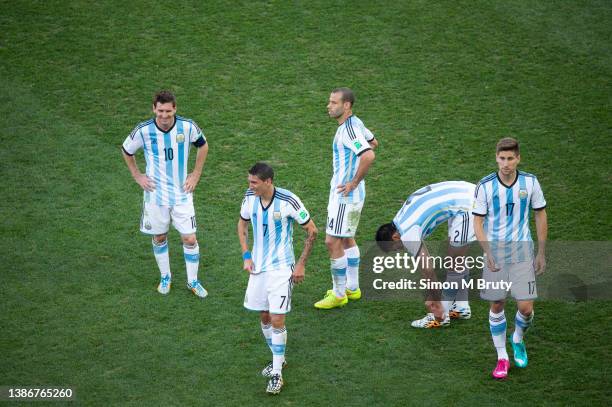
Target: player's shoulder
<point>287,196</point>
<point>488,178</point>
<point>144,123</point>
<point>527,174</point>
<point>249,194</point>
<point>188,121</point>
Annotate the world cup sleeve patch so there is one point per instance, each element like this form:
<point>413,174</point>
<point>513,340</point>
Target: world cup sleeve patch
<point>303,214</point>
<point>357,145</point>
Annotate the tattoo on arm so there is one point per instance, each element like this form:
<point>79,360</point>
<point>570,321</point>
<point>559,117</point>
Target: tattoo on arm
<point>308,244</point>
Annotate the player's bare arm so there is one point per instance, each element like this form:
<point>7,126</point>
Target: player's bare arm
<point>300,266</point>
<point>141,179</point>
<point>243,236</point>
<point>373,143</point>
<point>541,221</point>
<point>482,239</point>
<point>192,179</point>
<point>365,162</point>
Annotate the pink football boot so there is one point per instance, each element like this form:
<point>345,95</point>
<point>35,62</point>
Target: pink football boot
<point>501,370</point>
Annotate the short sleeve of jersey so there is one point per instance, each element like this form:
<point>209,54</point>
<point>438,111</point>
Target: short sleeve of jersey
<point>196,136</point>
<point>537,196</point>
<point>354,139</point>
<point>412,239</point>
<point>480,201</point>
<point>245,209</point>
<point>298,211</point>
<point>133,142</point>
<point>368,134</point>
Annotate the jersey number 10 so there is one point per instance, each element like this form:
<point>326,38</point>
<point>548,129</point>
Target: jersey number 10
<point>169,154</point>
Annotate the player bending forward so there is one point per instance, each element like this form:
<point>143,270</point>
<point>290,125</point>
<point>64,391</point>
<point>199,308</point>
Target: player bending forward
<point>422,212</point>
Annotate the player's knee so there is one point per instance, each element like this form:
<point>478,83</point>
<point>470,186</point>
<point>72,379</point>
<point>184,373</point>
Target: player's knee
<point>497,306</point>
<point>278,320</point>
<point>333,243</point>
<point>526,309</point>
<point>189,240</point>
<point>265,317</point>
<point>160,239</point>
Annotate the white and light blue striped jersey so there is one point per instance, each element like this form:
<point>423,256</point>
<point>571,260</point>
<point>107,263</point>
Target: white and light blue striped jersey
<point>166,155</point>
<point>273,228</point>
<point>350,142</point>
<point>506,212</point>
<point>426,208</point>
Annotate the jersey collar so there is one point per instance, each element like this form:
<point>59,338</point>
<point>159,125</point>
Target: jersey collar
<point>269,203</point>
<point>502,182</point>
<point>169,130</point>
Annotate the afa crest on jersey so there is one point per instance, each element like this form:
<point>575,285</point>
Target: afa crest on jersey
<point>523,193</point>
<point>180,138</point>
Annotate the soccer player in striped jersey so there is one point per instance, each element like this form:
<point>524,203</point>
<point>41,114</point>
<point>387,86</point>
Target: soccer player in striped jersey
<point>352,156</point>
<point>168,189</point>
<point>420,215</point>
<point>271,264</point>
<point>501,208</point>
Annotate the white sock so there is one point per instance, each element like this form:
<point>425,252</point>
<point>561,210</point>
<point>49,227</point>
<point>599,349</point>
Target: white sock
<point>338,269</point>
<point>352,269</point>
<point>160,250</point>
<point>497,325</point>
<point>267,333</point>
<point>192,261</point>
<point>521,325</point>
<point>279,341</point>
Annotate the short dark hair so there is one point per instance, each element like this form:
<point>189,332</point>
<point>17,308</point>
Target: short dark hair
<point>384,234</point>
<point>507,144</point>
<point>164,96</point>
<point>347,94</point>
<point>262,171</point>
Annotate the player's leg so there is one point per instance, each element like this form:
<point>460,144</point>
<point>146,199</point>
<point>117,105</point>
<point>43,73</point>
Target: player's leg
<point>266,327</point>
<point>460,234</point>
<point>351,250</point>
<point>335,297</point>
<point>155,220</point>
<point>183,219</point>
<point>524,290</point>
<point>497,316</point>
<point>498,326</point>
<point>279,286</point>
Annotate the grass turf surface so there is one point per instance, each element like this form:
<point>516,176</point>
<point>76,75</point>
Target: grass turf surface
<point>438,84</point>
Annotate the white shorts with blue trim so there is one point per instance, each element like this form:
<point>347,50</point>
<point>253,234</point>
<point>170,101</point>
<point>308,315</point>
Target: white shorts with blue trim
<point>342,218</point>
<point>155,219</point>
<point>461,229</point>
<point>270,291</point>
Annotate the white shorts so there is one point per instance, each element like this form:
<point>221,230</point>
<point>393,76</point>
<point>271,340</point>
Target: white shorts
<point>461,229</point>
<point>342,218</point>
<point>522,277</point>
<point>155,220</point>
<point>270,291</point>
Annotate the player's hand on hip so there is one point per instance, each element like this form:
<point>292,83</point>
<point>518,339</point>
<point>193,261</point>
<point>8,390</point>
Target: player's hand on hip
<point>248,265</point>
<point>298,273</point>
<point>540,264</point>
<point>345,189</point>
<point>191,182</point>
<point>145,182</point>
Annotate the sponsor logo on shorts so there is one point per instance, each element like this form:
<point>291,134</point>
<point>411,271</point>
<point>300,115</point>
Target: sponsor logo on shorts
<point>147,225</point>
